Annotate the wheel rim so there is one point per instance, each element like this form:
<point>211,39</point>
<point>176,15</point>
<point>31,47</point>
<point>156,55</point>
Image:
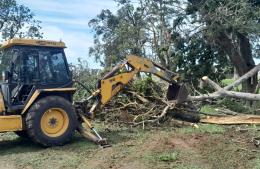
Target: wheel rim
<point>54,122</point>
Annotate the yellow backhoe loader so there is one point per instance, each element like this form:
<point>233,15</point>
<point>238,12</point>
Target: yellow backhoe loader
<point>36,97</point>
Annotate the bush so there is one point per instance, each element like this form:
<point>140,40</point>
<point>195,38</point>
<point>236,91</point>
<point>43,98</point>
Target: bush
<point>234,105</point>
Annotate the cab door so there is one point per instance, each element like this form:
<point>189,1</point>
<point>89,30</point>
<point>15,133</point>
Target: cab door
<point>14,68</point>
<point>24,75</point>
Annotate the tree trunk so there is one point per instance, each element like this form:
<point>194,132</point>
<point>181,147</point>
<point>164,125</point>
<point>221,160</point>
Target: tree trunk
<point>241,57</point>
<point>246,53</point>
<point>236,75</point>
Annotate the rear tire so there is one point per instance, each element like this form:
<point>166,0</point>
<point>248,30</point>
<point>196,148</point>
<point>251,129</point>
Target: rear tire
<point>51,121</point>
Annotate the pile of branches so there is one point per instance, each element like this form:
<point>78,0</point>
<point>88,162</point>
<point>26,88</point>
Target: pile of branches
<point>144,102</point>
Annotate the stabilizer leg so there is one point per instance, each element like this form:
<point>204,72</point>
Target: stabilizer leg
<point>85,128</point>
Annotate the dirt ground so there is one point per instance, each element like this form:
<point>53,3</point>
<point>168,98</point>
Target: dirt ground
<point>206,147</point>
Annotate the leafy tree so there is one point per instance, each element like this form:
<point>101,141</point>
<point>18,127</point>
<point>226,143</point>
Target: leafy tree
<point>160,17</point>
<point>118,35</point>
<point>197,58</point>
<point>233,26</point>
<point>17,21</point>
<point>84,77</point>
<point>195,37</point>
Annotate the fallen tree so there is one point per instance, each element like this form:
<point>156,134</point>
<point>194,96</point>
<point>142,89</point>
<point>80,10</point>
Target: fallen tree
<point>225,92</point>
<point>135,108</point>
<point>222,92</point>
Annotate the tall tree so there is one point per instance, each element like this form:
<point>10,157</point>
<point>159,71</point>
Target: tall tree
<point>164,33</point>
<point>232,25</point>
<point>160,17</point>
<point>117,35</point>
<point>17,21</point>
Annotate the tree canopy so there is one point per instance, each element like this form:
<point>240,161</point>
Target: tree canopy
<point>194,37</point>
<point>17,21</point>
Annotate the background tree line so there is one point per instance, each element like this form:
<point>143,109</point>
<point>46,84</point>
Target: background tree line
<point>192,37</point>
<point>16,21</point>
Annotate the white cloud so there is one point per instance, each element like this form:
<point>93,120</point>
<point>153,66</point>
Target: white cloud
<point>72,8</point>
<point>70,22</point>
<point>77,43</point>
<point>67,20</point>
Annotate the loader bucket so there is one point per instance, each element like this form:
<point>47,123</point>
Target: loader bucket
<point>177,92</point>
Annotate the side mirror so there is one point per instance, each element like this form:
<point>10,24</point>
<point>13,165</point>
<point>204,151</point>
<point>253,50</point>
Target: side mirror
<point>6,75</point>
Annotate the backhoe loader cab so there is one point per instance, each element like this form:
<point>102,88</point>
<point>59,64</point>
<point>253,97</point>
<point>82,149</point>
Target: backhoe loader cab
<point>36,92</point>
<point>32,67</point>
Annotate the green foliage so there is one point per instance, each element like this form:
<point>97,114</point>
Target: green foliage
<point>157,30</point>
<point>117,35</point>
<point>168,157</point>
<point>209,109</point>
<point>198,58</point>
<point>204,128</point>
<point>230,104</point>
<point>86,76</point>
<point>233,26</point>
<point>226,82</point>
<point>228,15</point>
<point>234,105</point>
<point>197,38</point>
<point>147,86</point>
<point>17,21</point>
<point>227,103</point>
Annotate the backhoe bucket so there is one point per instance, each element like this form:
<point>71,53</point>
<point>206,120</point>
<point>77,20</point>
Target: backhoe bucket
<point>177,92</point>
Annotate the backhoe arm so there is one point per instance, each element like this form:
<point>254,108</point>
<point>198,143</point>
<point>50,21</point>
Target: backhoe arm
<point>114,81</point>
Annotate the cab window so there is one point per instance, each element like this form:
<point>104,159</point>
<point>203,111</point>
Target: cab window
<point>29,66</point>
<point>24,66</point>
<point>53,66</point>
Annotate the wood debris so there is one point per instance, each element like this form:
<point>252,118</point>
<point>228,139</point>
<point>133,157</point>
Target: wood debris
<point>239,119</point>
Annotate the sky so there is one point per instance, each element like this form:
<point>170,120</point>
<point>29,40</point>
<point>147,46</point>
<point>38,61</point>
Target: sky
<point>67,20</point>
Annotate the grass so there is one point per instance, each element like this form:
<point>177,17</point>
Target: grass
<point>209,146</point>
<point>226,82</point>
<point>227,103</point>
<point>209,109</point>
<point>256,163</point>
<point>203,129</point>
<point>168,157</point>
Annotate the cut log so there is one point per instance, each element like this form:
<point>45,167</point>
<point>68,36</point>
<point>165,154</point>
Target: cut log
<point>241,119</point>
<point>226,111</point>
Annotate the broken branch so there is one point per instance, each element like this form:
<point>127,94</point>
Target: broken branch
<point>222,92</point>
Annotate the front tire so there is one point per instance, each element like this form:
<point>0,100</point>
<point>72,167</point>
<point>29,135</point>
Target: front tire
<point>51,121</point>
<point>22,134</point>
